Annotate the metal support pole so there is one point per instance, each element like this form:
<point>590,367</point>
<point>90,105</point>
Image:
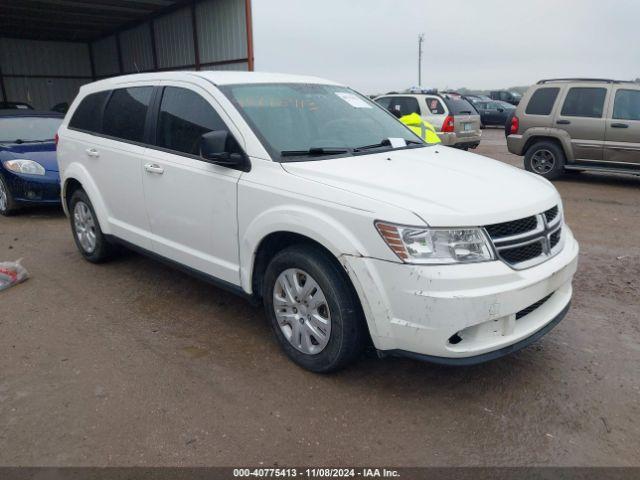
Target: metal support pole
<point>420,40</point>
<point>194,28</point>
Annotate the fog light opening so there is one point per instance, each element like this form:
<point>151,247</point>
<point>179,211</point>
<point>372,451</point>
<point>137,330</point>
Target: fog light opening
<point>455,339</point>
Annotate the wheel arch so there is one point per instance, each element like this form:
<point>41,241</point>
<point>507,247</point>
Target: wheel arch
<point>76,177</point>
<point>562,141</point>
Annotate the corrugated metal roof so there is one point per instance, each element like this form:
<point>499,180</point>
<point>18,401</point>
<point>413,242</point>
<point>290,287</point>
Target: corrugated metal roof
<point>75,20</point>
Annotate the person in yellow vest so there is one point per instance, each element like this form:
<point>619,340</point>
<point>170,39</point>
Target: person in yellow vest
<point>418,126</point>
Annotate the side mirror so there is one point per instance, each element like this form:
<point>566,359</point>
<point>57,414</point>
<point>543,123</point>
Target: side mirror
<point>501,110</point>
<point>219,147</point>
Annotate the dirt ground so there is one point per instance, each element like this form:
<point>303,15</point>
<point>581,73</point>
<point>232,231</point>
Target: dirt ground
<point>133,363</point>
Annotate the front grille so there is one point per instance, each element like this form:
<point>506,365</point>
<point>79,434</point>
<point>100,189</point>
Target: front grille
<point>526,311</point>
<point>516,227</point>
<point>522,254</point>
<point>551,214</point>
<point>527,241</point>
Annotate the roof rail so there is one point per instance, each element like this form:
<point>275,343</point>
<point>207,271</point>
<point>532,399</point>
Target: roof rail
<point>599,80</point>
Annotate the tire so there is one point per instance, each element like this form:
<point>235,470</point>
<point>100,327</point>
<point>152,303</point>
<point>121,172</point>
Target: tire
<point>94,247</point>
<point>545,159</point>
<point>345,328</point>
<point>7,204</point>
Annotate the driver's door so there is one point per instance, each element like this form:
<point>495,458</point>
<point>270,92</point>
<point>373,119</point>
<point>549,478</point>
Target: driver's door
<point>191,203</point>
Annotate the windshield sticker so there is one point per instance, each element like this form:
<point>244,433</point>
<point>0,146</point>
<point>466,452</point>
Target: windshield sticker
<point>397,142</point>
<point>353,100</point>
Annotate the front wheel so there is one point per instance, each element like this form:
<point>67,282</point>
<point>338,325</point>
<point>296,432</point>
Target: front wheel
<point>7,205</point>
<point>546,159</point>
<point>313,309</point>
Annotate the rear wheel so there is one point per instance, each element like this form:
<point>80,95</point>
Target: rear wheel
<point>313,309</point>
<point>546,159</point>
<point>86,230</point>
<point>7,204</point>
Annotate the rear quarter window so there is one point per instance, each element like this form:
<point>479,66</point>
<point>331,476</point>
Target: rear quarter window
<point>542,101</point>
<point>459,106</point>
<point>88,115</point>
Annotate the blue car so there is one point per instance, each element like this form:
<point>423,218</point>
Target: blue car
<point>28,166</point>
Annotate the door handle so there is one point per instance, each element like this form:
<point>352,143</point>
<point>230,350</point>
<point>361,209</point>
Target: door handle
<point>619,125</point>
<point>154,168</point>
<point>92,152</point>
<point>563,122</point>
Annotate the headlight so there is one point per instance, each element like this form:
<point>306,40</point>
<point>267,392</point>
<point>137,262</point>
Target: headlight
<point>436,245</point>
<point>24,166</point>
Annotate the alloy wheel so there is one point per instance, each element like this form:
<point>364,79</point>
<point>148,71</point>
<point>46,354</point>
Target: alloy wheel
<point>543,161</point>
<point>85,226</point>
<point>4,200</point>
<point>302,311</point>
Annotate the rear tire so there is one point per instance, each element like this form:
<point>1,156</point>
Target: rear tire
<point>545,159</point>
<point>7,204</point>
<point>87,233</point>
<point>322,339</point>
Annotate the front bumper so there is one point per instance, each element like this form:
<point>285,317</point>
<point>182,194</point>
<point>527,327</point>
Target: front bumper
<point>458,312</point>
<point>34,189</point>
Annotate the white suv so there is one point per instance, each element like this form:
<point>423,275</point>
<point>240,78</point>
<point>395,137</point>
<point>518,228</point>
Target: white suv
<point>304,195</point>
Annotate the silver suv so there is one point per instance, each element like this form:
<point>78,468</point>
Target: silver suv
<point>455,120</point>
<point>578,124</point>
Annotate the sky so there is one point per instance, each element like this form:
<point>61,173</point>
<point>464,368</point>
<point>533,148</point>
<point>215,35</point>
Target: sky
<point>372,45</point>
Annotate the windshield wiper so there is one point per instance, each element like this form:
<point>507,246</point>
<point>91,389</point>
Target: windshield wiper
<point>315,151</point>
<point>20,141</point>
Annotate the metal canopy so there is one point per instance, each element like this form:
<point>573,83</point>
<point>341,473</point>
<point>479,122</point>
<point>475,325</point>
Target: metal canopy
<point>77,20</point>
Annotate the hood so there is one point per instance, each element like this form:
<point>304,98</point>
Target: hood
<point>44,153</point>
<point>443,186</point>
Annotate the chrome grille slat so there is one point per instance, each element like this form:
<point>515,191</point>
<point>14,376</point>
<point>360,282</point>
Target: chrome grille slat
<point>529,241</point>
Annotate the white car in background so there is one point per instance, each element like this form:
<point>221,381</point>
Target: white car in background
<point>304,195</point>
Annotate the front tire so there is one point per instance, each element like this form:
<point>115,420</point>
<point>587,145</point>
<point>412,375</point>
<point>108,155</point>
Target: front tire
<point>7,204</point>
<point>313,309</point>
<point>87,233</point>
<point>545,159</point>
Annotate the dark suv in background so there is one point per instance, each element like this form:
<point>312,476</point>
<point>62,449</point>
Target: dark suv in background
<point>506,96</point>
<point>578,124</point>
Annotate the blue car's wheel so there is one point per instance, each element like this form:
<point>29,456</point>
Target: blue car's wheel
<point>7,205</point>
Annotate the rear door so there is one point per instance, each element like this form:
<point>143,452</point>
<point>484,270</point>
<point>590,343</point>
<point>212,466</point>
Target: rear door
<point>582,116</point>
<point>434,111</point>
<point>111,148</point>
<point>191,203</point>
<point>622,144</point>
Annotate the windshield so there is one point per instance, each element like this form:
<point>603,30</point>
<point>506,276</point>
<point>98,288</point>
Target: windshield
<point>28,129</point>
<point>296,121</point>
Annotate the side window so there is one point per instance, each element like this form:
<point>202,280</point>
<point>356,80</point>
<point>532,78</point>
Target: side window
<point>384,102</point>
<point>126,112</point>
<point>627,105</point>
<point>87,115</point>
<point>542,101</point>
<point>492,106</point>
<point>405,105</point>
<point>435,106</point>
<point>584,102</point>
<point>184,117</point>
